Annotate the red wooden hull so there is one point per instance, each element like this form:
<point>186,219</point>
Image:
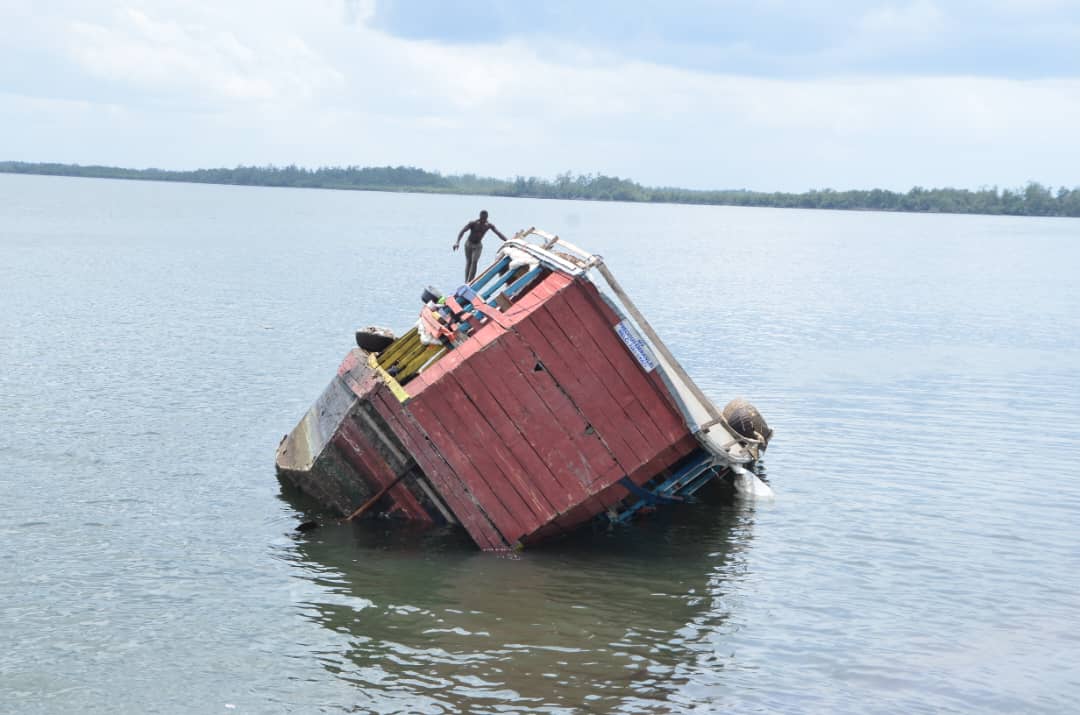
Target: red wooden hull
<point>522,432</point>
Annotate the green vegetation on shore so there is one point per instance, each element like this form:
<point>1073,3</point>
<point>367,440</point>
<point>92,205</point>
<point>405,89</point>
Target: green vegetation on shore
<point>1031,200</point>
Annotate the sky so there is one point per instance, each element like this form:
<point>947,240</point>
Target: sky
<point>765,95</point>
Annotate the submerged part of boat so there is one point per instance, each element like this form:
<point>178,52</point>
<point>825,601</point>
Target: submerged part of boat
<point>520,406</point>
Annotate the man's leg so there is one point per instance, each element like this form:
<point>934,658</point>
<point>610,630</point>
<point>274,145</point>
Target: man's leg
<point>472,259</point>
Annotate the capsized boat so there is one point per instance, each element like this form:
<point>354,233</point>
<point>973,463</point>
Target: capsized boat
<point>520,406</point>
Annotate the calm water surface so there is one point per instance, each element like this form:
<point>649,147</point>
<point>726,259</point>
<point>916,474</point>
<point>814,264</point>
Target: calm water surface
<point>921,373</point>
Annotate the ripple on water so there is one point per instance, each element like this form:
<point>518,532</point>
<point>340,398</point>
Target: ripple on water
<point>921,555</point>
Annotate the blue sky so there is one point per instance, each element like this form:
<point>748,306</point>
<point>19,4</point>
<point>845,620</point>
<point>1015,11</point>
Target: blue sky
<point>770,95</point>
<point>1021,40</point>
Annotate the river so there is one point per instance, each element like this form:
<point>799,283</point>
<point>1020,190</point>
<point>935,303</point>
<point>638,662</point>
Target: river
<point>920,372</point>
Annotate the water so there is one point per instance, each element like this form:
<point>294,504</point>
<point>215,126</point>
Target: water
<point>920,371</point>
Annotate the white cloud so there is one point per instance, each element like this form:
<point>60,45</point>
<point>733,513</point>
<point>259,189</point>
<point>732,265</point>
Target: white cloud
<point>198,85</point>
<point>161,56</point>
<point>915,20</point>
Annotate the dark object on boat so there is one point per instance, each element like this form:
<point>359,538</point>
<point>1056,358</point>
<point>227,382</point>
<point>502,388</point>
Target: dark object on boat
<point>521,406</point>
<point>373,339</point>
<point>745,419</point>
<point>430,295</point>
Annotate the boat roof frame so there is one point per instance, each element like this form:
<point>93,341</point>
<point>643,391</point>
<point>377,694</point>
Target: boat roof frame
<point>575,261</point>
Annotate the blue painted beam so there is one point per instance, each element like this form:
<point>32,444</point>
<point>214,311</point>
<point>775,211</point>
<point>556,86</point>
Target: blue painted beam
<point>689,478</point>
<point>478,283</point>
<point>522,282</point>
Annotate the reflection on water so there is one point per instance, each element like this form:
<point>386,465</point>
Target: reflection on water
<point>592,622</point>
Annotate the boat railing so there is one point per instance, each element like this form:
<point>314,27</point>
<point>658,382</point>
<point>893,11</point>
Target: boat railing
<point>556,253</point>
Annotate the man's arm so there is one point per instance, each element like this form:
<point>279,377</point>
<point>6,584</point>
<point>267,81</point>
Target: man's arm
<point>462,233</point>
<point>497,231</point>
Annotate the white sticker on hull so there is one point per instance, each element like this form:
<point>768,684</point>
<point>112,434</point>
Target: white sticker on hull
<point>636,345</point>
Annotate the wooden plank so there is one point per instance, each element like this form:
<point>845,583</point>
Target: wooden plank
<point>396,349</point>
<point>356,374</point>
<point>454,358</point>
<point>470,431</point>
<point>439,473</point>
<point>551,285</point>
<point>580,514</point>
<point>529,475</point>
<point>613,318</point>
<point>598,339</point>
<point>497,401</point>
<point>416,361</point>
<point>445,481</point>
<point>355,448</point>
<point>605,352</point>
<point>432,414</point>
<point>487,438</point>
<point>612,495</point>
<point>592,344</point>
<point>611,361</point>
<point>587,458</point>
<point>672,422</point>
<point>665,459</point>
<point>355,357</point>
<point>673,365</point>
<point>526,409</point>
<point>548,286</point>
<point>361,453</point>
<point>391,451</point>
<point>366,506</point>
<point>578,378</point>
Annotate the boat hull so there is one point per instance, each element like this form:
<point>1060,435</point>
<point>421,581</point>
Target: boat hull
<point>536,424</point>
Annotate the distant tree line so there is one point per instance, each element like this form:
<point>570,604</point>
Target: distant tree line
<point>1031,200</point>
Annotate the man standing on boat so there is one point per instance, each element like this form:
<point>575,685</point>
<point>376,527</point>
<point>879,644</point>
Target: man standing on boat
<point>473,244</point>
